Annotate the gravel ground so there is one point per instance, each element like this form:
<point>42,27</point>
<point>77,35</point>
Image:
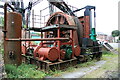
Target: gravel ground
<point>2,72</point>
<point>79,73</point>
<point>110,74</point>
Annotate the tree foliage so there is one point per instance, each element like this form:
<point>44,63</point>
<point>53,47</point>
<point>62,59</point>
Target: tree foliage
<point>115,33</point>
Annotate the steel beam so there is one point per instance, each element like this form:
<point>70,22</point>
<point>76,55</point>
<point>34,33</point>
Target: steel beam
<point>42,39</point>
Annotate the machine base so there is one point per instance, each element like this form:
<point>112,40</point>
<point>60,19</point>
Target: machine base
<point>47,65</point>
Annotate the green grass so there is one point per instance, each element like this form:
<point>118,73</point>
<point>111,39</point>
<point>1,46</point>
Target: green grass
<point>54,73</point>
<point>23,71</point>
<point>29,71</point>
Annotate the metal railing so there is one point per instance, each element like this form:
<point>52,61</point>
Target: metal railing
<point>41,19</point>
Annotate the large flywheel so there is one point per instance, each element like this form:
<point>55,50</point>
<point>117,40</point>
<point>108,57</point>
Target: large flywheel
<point>65,19</point>
<point>60,18</point>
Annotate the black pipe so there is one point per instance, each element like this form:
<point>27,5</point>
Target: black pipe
<point>86,7</point>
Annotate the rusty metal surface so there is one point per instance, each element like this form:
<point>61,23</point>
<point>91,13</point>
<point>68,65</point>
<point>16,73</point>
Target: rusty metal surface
<point>49,53</point>
<point>47,65</point>
<point>77,50</point>
<point>60,18</point>
<point>46,53</point>
<point>42,39</point>
<point>79,33</point>
<point>54,27</point>
<point>5,20</point>
<point>12,50</point>
<point>62,54</point>
<point>86,24</point>
<point>59,43</point>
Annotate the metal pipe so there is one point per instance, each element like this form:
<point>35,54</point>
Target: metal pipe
<point>42,39</point>
<point>94,19</point>
<point>5,17</point>
<point>47,42</point>
<point>72,36</point>
<point>59,43</point>
<point>91,18</point>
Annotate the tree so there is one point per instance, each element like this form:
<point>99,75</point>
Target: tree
<point>116,33</point>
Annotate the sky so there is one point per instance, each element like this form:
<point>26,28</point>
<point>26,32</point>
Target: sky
<point>106,12</point>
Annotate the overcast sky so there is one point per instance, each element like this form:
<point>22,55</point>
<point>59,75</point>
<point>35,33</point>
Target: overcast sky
<point>106,12</point>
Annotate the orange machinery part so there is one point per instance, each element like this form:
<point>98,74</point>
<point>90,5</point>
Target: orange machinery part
<point>46,53</point>
<point>62,54</point>
<point>69,20</point>
<point>77,50</point>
